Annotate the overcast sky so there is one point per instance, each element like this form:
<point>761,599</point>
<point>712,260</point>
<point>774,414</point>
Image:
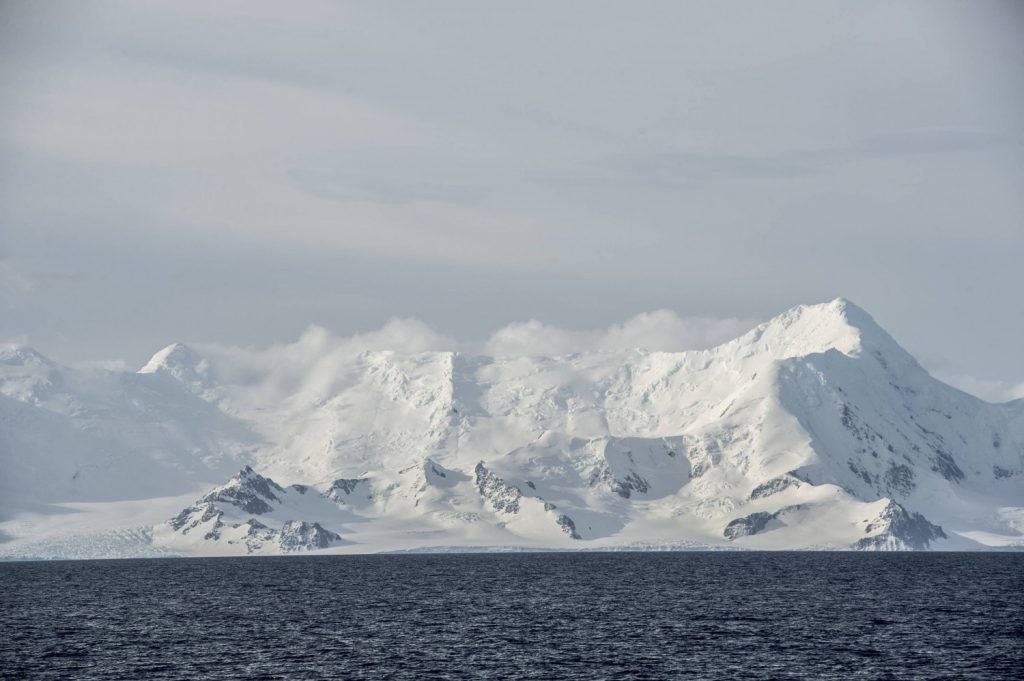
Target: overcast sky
<point>233,172</point>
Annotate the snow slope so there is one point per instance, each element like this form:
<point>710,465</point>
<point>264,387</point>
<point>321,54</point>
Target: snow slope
<point>813,430</point>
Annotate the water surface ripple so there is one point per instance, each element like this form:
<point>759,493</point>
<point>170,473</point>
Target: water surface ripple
<point>537,616</point>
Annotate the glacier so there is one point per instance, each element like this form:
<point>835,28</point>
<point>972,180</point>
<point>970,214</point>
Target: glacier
<point>814,430</point>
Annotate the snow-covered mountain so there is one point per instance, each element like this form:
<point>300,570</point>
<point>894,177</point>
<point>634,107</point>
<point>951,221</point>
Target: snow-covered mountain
<point>813,430</point>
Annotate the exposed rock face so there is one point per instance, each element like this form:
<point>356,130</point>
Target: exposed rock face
<point>249,491</point>
<point>256,535</point>
<point>502,496</point>
<point>631,483</point>
<point>747,525</point>
<point>297,535</point>
<point>343,488</point>
<point>999,472</point>
<point>194,516</point>
<point>223,522</point>
<point>568,526</point>
<point>632,467</point>
<point>756,523</point>
<point>293,537</point>
<point>774,486</point>
<point>895,528</point>
<point>900,478</point>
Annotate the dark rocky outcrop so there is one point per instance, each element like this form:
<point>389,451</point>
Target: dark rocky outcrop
<point>900,530</point>
<point>502,496</point>
<point>774,486</point>
<point>755,522</point>
<point>194,515</point>
<point>568,526</point>
<point>297,535</point>
<point>630,484</point>
<point>342,488</point>
<point>747,525</point>
<point>248,491</point>
<point>900,478</point>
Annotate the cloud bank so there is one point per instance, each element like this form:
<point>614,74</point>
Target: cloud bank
<point>280,368</point>
<point>662,330</point>
<point>294,368</point>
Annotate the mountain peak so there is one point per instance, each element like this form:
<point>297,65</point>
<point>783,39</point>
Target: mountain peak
<point>182,363</point>
<point>23,355</point>
<point>853,319</point>
<point>26,375</point>
<point>838,324</point>
<point>840,312</point>
<point>174,355</point>
<point>846,310</point>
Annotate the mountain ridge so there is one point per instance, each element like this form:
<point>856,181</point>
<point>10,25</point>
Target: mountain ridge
<point>799,426</point>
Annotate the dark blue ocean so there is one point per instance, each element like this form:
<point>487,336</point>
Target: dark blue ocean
<point>533,616</point>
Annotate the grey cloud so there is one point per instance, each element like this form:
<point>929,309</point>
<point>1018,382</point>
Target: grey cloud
<point>387,178</point>
<point>939,141</point>
<point>13,281</point>
<point>661,167</point>
<point>684,167</point>
<point>235,172</point>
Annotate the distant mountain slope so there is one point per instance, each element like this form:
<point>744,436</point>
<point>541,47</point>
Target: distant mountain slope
<point>813,430</point>
<point>94,435</point>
